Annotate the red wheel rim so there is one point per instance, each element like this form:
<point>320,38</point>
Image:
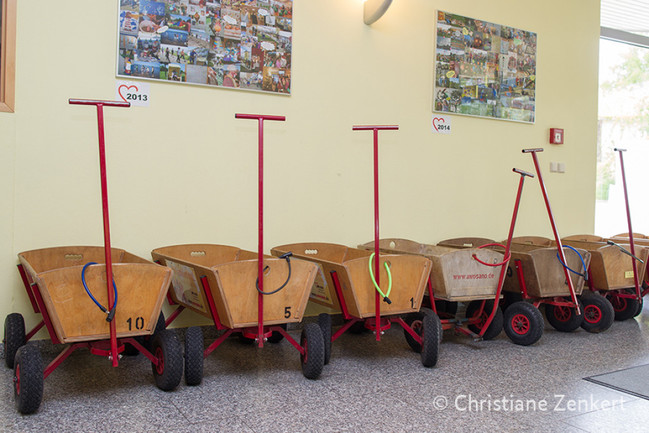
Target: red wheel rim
<point>305,346</point>
<point>17,379</point>
<point>619,303</point>
<point>592,314</point>
<point>520,324</point>
<point>562,314</point>
<point>480,320</point>
<point>160,368</point>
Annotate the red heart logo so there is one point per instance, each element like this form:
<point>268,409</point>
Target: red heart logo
<point>436,120</point>
<point>124,86</point>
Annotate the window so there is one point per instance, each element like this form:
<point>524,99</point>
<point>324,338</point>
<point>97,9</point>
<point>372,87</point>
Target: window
<point>7,54</point>
<point>623,123</point>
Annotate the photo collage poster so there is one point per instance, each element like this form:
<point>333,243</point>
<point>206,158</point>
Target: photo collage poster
<point>243,44</point>
<point>484,69</point>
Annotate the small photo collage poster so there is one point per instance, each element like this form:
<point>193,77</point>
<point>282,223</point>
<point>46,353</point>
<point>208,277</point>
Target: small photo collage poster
<point>242,44</point>
<point>484,69</point>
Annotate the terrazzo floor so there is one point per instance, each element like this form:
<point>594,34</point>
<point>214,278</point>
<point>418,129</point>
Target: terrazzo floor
<point>369,386</point>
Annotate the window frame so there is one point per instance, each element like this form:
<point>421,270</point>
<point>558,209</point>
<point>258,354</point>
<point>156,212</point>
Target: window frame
<point>8,56</point>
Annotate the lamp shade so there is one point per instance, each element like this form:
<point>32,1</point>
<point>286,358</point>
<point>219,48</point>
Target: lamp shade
<point>374,9</point>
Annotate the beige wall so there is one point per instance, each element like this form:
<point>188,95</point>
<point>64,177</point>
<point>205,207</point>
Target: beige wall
<point>183,170</point>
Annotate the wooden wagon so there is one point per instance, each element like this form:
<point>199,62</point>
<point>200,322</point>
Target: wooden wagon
<point>220,282</point>
<point>537,274</point>
<point>346,278</point>
<point>611,270</point>
<point>54,276</point>
<point>457,276</point>
<point>76,290</point>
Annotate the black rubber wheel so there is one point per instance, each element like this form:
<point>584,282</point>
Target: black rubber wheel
<point>415,321</point>
<point>167,349</point>
<point>624,308</point>
<point>564,319</point>
<point>358,327</point>
<point>276,337</point>
<point>324,322</point>
<point>313,357</point>
<point>598,314</point>
<point>508,299</point>
<point>28,379</point>
<point>194,356</point>
<point>496,326</point>
<point>640,306</point>
<point>130,350</point>
<point>446,308</point>
<point>430,326</point>
<point>159,326</point>
<point>14,337</point>
<point>523,323</point>
<point>245,340</point>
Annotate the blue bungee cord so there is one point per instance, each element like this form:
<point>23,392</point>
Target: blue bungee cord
<point>111,313</point>
<point>583,264</point>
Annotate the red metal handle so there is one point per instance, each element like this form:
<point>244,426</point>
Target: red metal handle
<point>377,268</point>
<point>260,209</point>
<point>373,127</point>
<point>636,281</point>
<point>98,102</point>
<point>523,172</point>
<point>538,149</point>
<point>259,117</point>
<point>494,265</point>
<point>104,204</point>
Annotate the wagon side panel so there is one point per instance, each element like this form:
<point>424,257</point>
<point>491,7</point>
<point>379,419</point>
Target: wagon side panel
<point>467,279</point>
<point>530,276</point>
<point>237,284</point>
<point>551,274</point>
<point>48,259</point>
<point>409,276</point>
<point>619,268</point>
<point>328,258</point>
<point>140,287</point>
<point>465,242</point>
<point>186,288</point>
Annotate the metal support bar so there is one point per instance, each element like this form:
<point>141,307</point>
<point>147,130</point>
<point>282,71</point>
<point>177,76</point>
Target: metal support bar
<point>174,315</point>
<point>28,287</point>
<point>210,303</point>
<point>33,332</point>
<point>216,343</point>
<point>341,298</point>
<point>45,314</point>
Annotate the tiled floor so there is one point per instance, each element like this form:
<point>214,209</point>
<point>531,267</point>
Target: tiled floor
<point>367,387</point>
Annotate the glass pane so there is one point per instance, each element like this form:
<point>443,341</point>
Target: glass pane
<point>623,123</point>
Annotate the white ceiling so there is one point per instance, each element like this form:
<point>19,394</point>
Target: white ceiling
<point>627,15</point>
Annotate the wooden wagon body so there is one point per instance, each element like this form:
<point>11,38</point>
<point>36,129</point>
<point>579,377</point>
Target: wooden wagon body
<point>232,275</point>
<point>351,266</point>
<point>455,274</point>
<point>610,267</point>
<point>543,273</point>
<point>56,273</point>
